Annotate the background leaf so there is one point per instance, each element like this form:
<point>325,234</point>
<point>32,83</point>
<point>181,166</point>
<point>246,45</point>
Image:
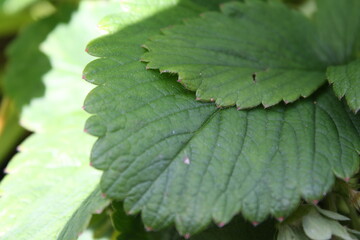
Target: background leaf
<point>346,82</point>
<point>332,215</point>
<point>320,228</point>
<point>291,233</point>
<point>51,191</point>
<point>13,6</point>
<point>10,131</point>
<point>24,52</point>
<point>338,27</point>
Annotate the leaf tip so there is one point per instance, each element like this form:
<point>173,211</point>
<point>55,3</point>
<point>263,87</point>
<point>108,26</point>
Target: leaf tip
<point>148,229</point>
<point>221,224</point>
<point>347,179</point>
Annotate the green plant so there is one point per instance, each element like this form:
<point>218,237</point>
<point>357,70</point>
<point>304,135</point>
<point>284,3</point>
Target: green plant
<point>205,124</point>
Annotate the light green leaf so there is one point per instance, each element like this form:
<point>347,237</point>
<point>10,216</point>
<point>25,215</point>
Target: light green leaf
<point>25,50</point>
<point>51,191</point>
<point>246,56</point>
<point>332,215</point>
<point>94,203</point>
<point>346,82</point>
<point>11,23</point>
<point>287,232</point>
<point>188,163</point>
<point>46,183</point>
<point>13,6</point>
<point>318,227</point>
<point>338,27</point>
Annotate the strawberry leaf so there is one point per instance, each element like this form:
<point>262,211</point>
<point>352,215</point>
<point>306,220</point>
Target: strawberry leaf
<point>346,82</point>
<point>338,29</point>
<point>248,55</point>
<point>185,162</point>
<point>245,56</point>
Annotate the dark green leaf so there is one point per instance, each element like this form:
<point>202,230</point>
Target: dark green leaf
<point>247,55</point>
<point>346,82</point>
<point>338,27</point>
<point>188,163</point>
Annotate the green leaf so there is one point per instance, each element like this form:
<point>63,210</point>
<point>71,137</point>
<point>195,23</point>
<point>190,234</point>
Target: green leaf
<point>24,50</point>
<point>100,227</point>
<point>338,24</point>
<point>320,228</point>
<point>346,82</point>
<point>131,228</point>
<point>51,191</point>
<point>11,23</point>
<point>13,6</point>
<point>338,27</point>
<point>94,203</point>
<point>332,215</point>
<point>247,55</point>
<point>291,233</point>
<point>188,163</point>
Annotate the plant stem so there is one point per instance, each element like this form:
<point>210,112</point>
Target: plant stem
<point>10,130</point>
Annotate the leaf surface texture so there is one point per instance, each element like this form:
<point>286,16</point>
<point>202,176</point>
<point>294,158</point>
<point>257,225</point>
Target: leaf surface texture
<point>248,55</point>
<point>245,56</point>
<point>182,161</point>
